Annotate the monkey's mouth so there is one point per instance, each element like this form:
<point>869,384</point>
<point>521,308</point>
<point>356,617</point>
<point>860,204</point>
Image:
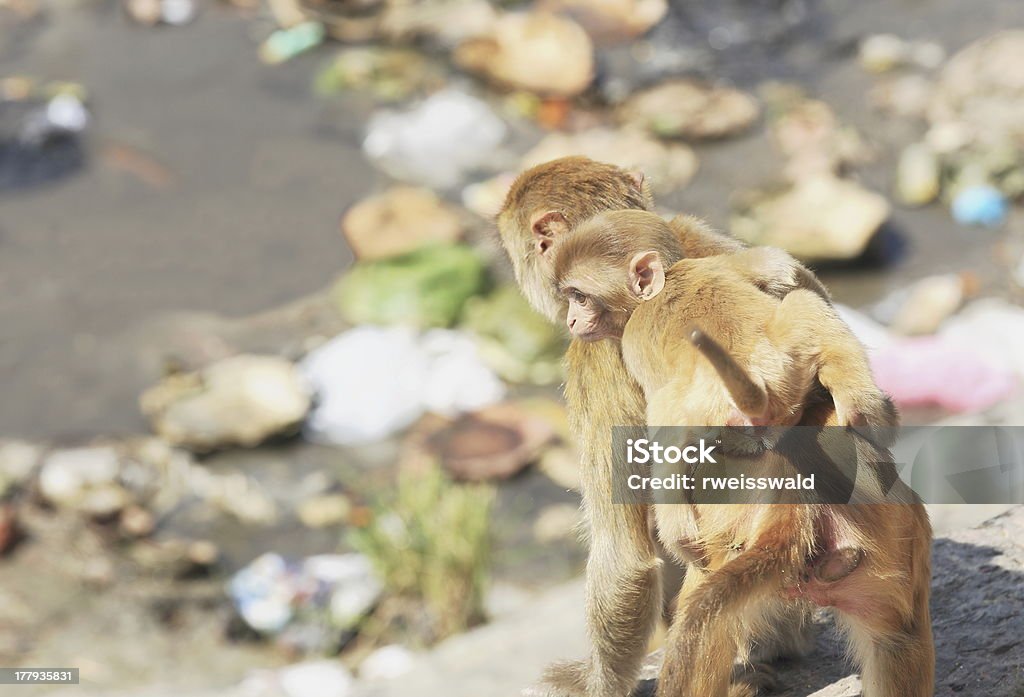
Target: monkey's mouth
<point>593,335</point>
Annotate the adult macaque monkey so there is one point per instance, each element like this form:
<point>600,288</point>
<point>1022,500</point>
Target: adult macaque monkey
<point>623,583</point>
<point>624,278</point>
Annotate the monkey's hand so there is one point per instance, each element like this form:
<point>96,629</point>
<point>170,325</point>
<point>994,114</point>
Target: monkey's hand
<point>777,273</point>
<point>566,679</point>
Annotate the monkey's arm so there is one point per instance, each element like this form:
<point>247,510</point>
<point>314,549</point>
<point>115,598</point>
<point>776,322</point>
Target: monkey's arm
<point>623,580</point>
<point>772,270</point>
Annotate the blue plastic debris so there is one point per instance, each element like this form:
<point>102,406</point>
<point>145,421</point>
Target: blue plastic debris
<point>980,205</point>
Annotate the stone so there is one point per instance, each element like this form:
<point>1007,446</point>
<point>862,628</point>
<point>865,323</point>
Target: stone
<point>387,663</point>
<point>398,221</point>
<point>239,401</point>
<point>918,175</point>
<point>324,511</point>
<point>136,521</point>
<point>811,137</point>
<point>669,166</point>
<point>923,307</point>
<point>611,21</point>
<point>976,89</point>
<point>85,480</point>
<point>691,110</point>
<point>18,460</point>
<point>819,218</point>
<point>906,96</point>
<point>448,22</point>
<point>880,53</point>
<point>534,51</point>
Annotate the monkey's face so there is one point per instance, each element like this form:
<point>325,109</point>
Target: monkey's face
<point>591,314</point>
<point>589,321</point>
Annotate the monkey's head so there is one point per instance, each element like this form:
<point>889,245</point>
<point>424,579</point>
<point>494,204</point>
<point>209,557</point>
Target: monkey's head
<point>607,266</point>
<point>548,201</point>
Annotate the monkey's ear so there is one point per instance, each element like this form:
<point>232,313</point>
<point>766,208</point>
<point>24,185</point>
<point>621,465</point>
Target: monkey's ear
<point>639,179</point>
<point>546,228</point>
<point>646,274</point>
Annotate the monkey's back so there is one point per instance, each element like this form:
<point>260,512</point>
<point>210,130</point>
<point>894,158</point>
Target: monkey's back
<point>707,293</point>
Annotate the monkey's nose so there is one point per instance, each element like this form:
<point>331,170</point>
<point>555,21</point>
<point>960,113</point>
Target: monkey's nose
<point>571,321</point>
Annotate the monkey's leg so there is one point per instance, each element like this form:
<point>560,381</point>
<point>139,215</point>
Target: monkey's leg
<point>888,616</point>
<point>623,590</point>
<point>806,327</point>
<point>747,392</point>
<point>714,609</point>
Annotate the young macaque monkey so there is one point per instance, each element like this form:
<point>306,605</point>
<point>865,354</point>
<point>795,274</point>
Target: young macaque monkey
<point>708,348</point>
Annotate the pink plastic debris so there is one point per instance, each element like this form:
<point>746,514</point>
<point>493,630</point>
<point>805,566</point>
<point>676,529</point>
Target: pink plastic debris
<point>933,371</point>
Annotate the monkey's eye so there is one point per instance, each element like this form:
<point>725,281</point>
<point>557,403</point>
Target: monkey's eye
<point>578,297</point>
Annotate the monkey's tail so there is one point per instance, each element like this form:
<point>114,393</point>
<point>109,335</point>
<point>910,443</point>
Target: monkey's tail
<point>749,396</point>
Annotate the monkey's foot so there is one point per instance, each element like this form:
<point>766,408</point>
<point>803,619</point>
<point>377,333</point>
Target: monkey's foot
<point>753,679</point>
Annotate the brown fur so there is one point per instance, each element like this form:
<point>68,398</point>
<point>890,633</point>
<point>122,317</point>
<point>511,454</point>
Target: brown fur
<point>708,349</point>
<point>623,579</point>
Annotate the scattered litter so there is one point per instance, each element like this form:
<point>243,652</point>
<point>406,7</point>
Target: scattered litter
<point>692,110</point>
<point>399,221</point>
<point>324,511</point>
<point>611,21</point>
<point>10,530</point>
<point>992,328</point>
<point>285,44</point>
<point>980,205</point>
<point>977,93</point>
<point>669,166</point>
<point>446,22</point>
<point>328,591</point>
<point>153,12</point>
<point>85,480</point>
<point>437,141</point>
<point>41,125</point>
<point>387,663</point>
<point>817,218</point>
<point>918,175</point>
<point>809,134</point>
<point>18,460</point>
<point>320,678</point>
<point>520,344</point>
<point>534,51</point>
<point>932,371</point>
<point>494,442</point>
<point>424,288</point>
<point>242,400</point>
<point>923,306</point>
<point>390,74</point>
<point>397,375</point>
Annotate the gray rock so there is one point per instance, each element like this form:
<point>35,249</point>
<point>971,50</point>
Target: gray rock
<point>977,619</point>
